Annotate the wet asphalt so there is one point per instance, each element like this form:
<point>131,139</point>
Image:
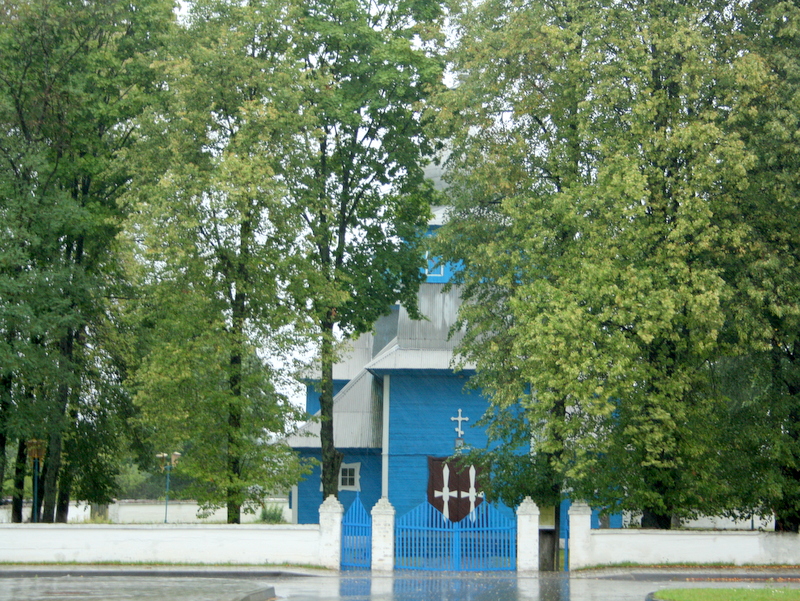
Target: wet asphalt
<point>169,583</point>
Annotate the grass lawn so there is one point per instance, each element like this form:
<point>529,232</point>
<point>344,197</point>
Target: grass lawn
<point>728,594</point>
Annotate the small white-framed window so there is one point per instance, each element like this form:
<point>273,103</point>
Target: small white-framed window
<point>350,477</point>
<point>433,266</point>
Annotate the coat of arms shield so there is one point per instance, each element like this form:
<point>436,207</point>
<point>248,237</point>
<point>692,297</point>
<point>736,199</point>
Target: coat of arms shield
<point>453,487</point>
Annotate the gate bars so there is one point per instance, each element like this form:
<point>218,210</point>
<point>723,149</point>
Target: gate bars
<point>483,541</point>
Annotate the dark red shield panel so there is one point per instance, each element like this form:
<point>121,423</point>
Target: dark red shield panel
<point>453,487</point>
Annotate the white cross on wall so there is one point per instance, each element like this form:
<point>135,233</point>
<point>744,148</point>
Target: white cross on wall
<point>446,494</point>
<point>473,494</point>
<point>459,419</point>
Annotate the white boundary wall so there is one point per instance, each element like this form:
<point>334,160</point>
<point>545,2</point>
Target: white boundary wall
<point>316,545</point>
<point>589,547</point>
<point>235,544</point>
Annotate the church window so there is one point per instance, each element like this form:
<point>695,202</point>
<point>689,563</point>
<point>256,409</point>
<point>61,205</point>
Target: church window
<point>434,265</point>
<point>350,477</point>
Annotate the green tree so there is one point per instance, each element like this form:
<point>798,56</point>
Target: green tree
<point>594,147</point>
<point>513,119</point>
<point>72,75</point>
<point>762,265</point>
<point>214,247</point>
<point>357,181</point>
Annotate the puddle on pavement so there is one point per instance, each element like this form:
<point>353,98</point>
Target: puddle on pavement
<point>356,586</point>
<point>455,587</point>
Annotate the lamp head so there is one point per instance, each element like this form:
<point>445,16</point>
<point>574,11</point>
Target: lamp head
<point>36,448</point>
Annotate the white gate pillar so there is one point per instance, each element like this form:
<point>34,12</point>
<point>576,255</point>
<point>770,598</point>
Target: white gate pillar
<point>527,536</point>
<point>580,532</point>
<point>383,536</point>
<point>330,533</point>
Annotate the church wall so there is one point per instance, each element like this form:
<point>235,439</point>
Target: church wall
<point>310,495</point>
<point>420,425</point>
<point>313,393</point>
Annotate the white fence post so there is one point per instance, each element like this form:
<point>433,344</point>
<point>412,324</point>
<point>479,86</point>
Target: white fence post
<point>330,533</point>
<point>580,531</point>
<point>527,536</point>
<point>383,536</point>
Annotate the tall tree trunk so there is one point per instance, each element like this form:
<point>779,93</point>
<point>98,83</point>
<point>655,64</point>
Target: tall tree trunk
<point>52,468</point>
<point>40,494</point>
<point>234,426</point>
<point>331,458</point>
<point>49,477</point>
<point>655,519</point>
<point>234,506</point>
<point>559,412</point>
<point>74,253</point>
<point>5,395</point>
<point>557,531</point>
<point>239,279</point>
<point>234,492</point>
<point>19,483</point>
<point>64,491</point>
<point>56,441</point>
<point>6,383</point>
<point>787,517</point>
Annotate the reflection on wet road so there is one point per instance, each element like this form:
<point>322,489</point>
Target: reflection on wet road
<point>622,586</point>
<point>353,586</point>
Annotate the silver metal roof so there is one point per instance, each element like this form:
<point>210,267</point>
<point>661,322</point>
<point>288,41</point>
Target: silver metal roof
<point>418,345</point>
<point>440,215</point>
<point>440,311</point>
<point>357,417</point>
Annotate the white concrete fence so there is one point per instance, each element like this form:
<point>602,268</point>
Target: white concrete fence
<point>320,545</point>
<point>317,545</point>
<point>166,543</point>
<point>589,547</point>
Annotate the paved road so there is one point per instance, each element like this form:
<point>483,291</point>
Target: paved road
<point>170,584</point>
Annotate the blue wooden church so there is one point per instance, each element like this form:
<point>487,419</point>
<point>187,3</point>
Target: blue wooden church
<point>398,406</point>
<point>397,403</point>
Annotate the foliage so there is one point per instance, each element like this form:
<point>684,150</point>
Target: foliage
<point>357,180</point>
<point>597,172</point>
<point>764,309</point>
<point>213,242</point>
<point>271,514</point>
<point>72,76</point>
<point>134,483</point>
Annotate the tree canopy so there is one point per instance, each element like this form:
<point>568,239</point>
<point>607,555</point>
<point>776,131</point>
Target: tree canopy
<point>184,202</point>
<point>216,249</point>
<point>599,165</point>
<point>357,182</point>
<point>72,78</point>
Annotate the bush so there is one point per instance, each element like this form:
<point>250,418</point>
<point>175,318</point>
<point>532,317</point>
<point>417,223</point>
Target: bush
<point>271,514</point>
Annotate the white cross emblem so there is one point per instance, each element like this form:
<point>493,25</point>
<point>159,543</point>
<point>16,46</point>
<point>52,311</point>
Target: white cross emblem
<point>446,494</point>
<point>473,494</point>
<point>459,419</point>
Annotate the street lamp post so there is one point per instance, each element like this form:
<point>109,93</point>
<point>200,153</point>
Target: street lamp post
<point>36,449</point>
<point>167,463</point>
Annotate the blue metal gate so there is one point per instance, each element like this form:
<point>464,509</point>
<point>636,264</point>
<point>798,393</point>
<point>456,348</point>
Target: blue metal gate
<point>356,537</point>
<point>484,540</point>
